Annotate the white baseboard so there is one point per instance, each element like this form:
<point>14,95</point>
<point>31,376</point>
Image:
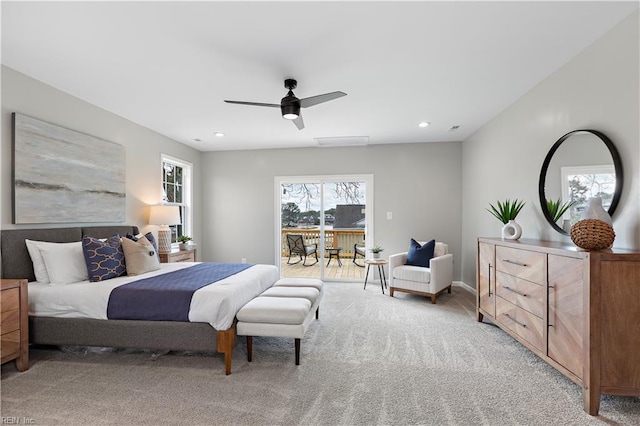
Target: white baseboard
<point>466,287</point>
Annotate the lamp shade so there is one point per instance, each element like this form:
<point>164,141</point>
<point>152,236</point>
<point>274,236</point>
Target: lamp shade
<point>164,215</point>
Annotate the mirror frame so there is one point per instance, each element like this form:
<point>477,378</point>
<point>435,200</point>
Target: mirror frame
<point>617,164</point>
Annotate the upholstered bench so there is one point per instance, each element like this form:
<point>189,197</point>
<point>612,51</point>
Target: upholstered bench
<point>284,310</point>
<point>310,293</point>
<point>274,317</point>
<point>300,282</point>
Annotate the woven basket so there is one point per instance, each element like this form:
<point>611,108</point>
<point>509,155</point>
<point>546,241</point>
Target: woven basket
<point>592,234</point>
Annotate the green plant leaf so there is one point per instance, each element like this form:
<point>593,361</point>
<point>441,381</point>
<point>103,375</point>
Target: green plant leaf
<point>557,208</point>
<point>507,210</point>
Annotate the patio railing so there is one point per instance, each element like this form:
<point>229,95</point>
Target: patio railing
<point>345,238</point>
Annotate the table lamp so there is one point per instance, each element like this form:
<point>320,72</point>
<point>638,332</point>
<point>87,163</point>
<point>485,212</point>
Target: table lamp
<point>164,216</point>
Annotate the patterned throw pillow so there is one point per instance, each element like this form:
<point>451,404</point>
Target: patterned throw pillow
<point>420,255</point>
<point>105,259</point>
<point>140,256</point>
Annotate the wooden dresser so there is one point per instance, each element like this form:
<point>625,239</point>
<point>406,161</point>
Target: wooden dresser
<point>579,311</point>
<point>14,322</point>
<point>178,256</point>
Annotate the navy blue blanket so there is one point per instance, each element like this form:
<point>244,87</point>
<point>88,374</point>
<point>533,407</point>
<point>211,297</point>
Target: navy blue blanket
<point>166,297</point>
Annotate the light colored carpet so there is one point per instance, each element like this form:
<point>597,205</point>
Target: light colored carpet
<point>370,359</point>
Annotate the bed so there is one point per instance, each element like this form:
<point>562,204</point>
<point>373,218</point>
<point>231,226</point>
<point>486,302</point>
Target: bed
<point>87,325</point>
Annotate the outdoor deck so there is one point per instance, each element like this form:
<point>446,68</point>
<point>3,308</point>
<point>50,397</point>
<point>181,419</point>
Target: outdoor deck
<point>347,272</point>
<point>343,238</point>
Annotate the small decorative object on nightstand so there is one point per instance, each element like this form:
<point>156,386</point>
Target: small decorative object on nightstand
<point>14,323</point>
<point>183,241</point>
<point>178,256</point>
<point>164,216</point>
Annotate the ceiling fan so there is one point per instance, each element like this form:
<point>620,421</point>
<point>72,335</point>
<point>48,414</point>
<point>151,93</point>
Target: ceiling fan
<point>290,105</point>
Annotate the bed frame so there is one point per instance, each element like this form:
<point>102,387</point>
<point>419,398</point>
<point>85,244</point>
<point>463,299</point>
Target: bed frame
<point>162,335</point>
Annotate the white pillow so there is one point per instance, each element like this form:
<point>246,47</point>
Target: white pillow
<point>39,269</point>
<point>65,263</point>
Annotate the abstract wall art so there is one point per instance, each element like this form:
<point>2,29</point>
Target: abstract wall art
<point>64,176</point>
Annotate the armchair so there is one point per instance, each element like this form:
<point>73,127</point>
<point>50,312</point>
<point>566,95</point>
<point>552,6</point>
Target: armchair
<point>430,282</point>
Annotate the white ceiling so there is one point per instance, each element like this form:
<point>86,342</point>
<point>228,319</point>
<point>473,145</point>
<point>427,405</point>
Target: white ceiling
<point>169,65</point>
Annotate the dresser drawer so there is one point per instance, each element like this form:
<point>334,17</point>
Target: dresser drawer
<point>522,293</point>
<point>10,344</point>
<point>9,299</point>
<point>10,321</point>
<point>526,325</point>
<point>506,314</point>
<point>528,265</point>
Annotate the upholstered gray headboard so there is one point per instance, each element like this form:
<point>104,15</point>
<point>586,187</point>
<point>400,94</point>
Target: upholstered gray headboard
<point>16,262</point>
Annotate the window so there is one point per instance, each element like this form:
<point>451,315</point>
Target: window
<point>579,183</point>
<point>176,191</point>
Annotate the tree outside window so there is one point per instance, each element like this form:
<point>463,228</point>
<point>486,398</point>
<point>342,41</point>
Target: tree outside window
<point>176,189</point>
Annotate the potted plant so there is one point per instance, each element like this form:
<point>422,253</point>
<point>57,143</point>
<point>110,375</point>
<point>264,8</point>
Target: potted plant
<point>506,212</point>
<point>376,251</point>
<point>183,240</point>
<point>557,208</point>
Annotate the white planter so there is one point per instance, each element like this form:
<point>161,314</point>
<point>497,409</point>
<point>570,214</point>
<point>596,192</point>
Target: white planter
<point>511,230</point>
<point>375,255</point>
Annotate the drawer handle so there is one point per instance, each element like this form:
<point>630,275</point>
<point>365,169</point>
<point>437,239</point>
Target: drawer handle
<point>515,291</point>
<point>516,321</point>
<point>515,263</point>
<point>489,280</point>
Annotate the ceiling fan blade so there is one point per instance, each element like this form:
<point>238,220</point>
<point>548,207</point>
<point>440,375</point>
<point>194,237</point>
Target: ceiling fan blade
<point>299,123</point>
<point>253,104</point>
<point>315,100</point>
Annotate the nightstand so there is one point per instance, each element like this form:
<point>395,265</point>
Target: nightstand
<point>14,322</point>
<point>178,256</point>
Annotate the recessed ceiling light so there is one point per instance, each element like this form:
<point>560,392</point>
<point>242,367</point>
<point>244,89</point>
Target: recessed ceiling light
<point>423,124</point>
<point>219,134</point>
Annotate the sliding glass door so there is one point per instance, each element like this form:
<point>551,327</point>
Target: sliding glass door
<point>321,219</point>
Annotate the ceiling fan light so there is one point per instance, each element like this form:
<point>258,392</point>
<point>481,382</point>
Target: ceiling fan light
<point>291,111</point>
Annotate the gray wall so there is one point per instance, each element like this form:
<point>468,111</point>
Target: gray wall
<point>27,96</point>
<point>598,90</point>
<point>435,190</point>
<point>419,183</point>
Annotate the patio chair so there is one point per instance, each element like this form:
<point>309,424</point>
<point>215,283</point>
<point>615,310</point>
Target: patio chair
<point>359,250</point>
<point>298,247</point>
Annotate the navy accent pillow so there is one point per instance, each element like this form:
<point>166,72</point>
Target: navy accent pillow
<point>148,235</point>
<point>420,255</point>
<point>104,258</point>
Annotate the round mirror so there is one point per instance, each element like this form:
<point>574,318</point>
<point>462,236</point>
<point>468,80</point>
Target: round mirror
<point>581,164</point>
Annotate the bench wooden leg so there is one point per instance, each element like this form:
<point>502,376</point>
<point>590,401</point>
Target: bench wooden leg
<point>297,351</point>
<point>249,348</point>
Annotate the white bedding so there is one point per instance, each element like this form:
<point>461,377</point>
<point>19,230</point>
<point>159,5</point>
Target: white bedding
<point>214,304</point>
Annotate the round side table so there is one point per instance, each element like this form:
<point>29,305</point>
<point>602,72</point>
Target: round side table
<point>380,264</point>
